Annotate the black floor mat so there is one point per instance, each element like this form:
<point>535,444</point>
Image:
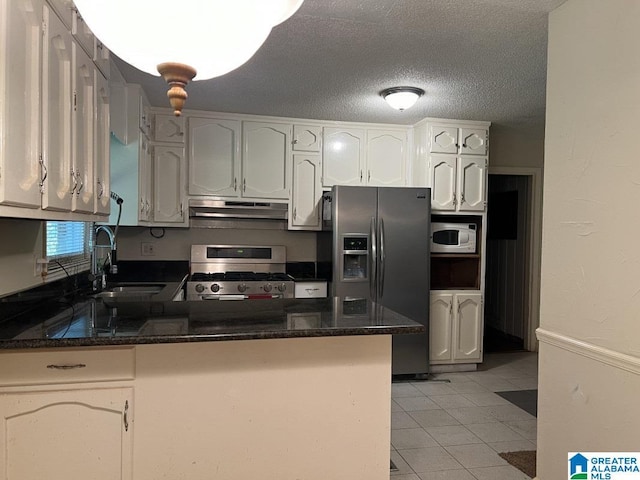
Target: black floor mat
<point>525,399</point>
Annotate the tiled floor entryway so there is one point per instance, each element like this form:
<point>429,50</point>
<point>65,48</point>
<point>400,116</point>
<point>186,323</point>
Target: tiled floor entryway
<point>454,431</point>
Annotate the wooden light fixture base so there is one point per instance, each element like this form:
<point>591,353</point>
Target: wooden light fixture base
<point>177,75</point>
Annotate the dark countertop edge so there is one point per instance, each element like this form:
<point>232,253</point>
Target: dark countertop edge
<point>160,339</point>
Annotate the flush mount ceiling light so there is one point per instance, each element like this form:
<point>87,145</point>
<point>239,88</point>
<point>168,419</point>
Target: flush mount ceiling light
<point>402,98</point>
<point>193,38</point>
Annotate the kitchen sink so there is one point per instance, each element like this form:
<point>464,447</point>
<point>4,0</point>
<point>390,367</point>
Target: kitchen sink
<point>132,292</point>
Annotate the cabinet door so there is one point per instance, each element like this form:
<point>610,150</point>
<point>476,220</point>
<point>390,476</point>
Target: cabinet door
<point>145,173</point>
<point>304,208</point>
<point>473,141</point>
<point>343,157</point>
<point>443,181</point>
<point>144,117</point>
<point>60,183</point>
<point>467,343</point>
<point>64,9</point>
<point>83,34</point>
<point>70,434</point>
<point>20,50</point>
<point>472,181</point>
<point>84,96</point>
<point>440,326</point>
<point>306,138</point>
<point>214,157</point>
<point>168,185</point>
<point>103,177</point>
<point>386,158</point>
<point>168,128</point>
<point>443,139</point>
<point>266,171</point>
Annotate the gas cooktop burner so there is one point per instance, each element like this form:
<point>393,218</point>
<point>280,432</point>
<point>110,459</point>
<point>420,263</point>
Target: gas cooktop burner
<point>240,277</point>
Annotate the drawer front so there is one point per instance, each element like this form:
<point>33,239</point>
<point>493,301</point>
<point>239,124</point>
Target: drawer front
<point>67,365</point>
<point>310,289</point>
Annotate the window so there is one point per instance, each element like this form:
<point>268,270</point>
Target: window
<point>68,248</point>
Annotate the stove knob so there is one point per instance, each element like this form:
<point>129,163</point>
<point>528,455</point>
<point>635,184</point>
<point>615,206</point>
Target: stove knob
<point>215,287</point>
<point>242,287</point>
<point>267,287</point>
<point>282,287</point>
<point>199,288</point>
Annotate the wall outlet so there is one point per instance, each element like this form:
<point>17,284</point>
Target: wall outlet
<point>147,248</point>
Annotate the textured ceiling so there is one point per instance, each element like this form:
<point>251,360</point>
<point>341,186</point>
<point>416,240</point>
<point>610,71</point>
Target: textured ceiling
<point>476,60</point>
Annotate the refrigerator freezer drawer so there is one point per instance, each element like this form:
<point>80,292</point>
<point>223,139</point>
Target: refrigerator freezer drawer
<point>313,289</point>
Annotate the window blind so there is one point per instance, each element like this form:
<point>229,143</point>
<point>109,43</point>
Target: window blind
<point>68,248</point>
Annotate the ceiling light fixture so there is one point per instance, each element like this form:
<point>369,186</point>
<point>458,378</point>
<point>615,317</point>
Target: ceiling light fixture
<point>195,38</point>
<point>402,98</point>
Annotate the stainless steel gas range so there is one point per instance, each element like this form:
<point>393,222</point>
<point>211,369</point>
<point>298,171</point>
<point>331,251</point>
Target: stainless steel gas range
<point>238,272</point>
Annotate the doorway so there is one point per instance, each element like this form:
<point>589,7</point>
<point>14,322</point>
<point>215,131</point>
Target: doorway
<point>512,268</point>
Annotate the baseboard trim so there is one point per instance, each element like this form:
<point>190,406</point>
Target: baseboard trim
<point>604,355</point>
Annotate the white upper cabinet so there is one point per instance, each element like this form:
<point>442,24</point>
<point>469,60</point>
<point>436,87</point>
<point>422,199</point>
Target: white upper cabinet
<point>353,156</point>
<point>84,97</point>
<point>305,205</point>
<point>83,34</point>
<point>457,166</point>
<point>65,10</point>
<point>472,183</point>
<point>444,139</point>
<point>473,141</point>
<point>443,182</point>
<point>103,174</point>
<point>169,196</point>
<point>306,138</point>
<point>20,55</point>
<point>214,157</point>
<point>343,156</point>
<point>386,158</point>
<point>168,128</point>
<point>266,164</point>
<point>60,180</point>
<point>49,113</point>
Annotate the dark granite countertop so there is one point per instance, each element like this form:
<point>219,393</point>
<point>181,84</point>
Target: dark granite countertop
<point>89,321</point>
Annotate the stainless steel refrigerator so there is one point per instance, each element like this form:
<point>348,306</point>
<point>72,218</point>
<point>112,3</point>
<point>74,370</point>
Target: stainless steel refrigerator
<point>381,251</point>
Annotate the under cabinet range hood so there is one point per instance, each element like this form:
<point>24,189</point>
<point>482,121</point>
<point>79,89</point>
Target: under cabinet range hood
<point>211,209</point>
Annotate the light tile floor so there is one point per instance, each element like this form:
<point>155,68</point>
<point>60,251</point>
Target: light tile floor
<point>454,430</point>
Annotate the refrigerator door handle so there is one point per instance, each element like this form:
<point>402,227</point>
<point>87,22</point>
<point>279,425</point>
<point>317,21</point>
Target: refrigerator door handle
<point>382,260</point>
<point>373,260</point>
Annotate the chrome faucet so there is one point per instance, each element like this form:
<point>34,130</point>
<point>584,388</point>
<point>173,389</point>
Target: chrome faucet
<point>99,275</point>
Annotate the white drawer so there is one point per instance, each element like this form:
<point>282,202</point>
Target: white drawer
<point>66,365</point>
<point>312,289</point>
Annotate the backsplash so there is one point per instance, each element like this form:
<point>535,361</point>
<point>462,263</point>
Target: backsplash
<point>175,243</point>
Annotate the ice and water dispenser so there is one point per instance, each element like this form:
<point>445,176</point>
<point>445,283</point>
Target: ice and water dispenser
<point>355,257</point>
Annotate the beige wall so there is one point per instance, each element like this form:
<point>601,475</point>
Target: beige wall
<point>20,245</point>
<point>176,243</point>
<point>590,257</point>
<point>512,147</point>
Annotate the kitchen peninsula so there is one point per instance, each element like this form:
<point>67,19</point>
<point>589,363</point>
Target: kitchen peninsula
<point>282,389</point>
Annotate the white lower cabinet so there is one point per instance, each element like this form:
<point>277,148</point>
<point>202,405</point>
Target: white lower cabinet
<point>67,434</point>
<point>66,414</point>
<point>455,327</point>
<point>304,207</point>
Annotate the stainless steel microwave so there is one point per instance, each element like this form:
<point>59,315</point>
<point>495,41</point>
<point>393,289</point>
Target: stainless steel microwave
<point>453,237</point>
